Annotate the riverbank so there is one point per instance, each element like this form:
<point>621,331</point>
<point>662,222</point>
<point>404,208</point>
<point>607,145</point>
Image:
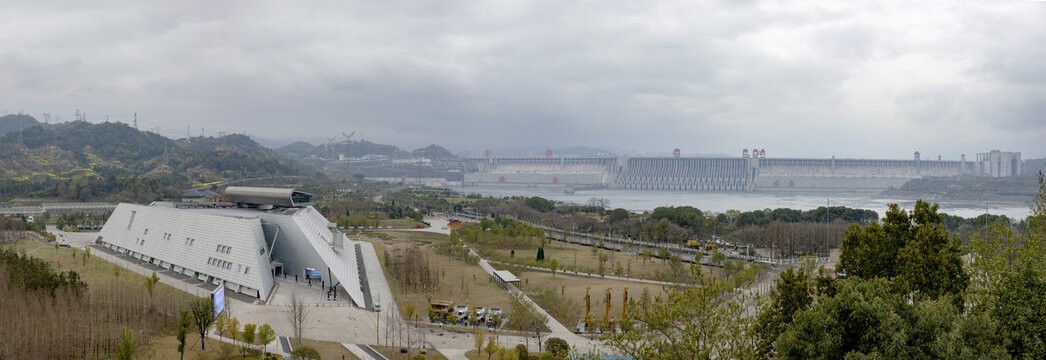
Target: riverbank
<point>647,200</point>
<point>947,197</point>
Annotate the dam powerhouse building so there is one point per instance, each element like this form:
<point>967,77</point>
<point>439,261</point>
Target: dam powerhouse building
<point>245,242</point>
<point>753,172</point>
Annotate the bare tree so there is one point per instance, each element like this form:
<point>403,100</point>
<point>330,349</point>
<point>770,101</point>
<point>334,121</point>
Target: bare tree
<point>297,317</point>
<point>390,327</point>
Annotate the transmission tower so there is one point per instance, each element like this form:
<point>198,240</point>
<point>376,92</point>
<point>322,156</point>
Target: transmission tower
<point>348,144</point>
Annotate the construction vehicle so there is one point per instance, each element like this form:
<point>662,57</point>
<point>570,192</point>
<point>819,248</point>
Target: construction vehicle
<point>494,317</point>
<point>461,311</point>
<point>481,315</point>
<point>440,309</point>
<point>697,244</point>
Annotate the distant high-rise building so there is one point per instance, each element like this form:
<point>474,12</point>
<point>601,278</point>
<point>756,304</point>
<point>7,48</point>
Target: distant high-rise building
<point>997,163</point>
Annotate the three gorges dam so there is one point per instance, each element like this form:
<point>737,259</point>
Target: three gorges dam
<point>753,171</point>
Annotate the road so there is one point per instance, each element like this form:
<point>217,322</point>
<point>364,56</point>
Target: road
<point>332,322</point>
<point>439,225</point>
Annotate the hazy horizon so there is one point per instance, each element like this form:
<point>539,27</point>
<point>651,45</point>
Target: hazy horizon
<point>851,80</point>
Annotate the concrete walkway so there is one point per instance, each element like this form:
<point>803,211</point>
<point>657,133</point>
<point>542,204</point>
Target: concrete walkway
<point>454,354</point>
<point>591,275</point>
<point>340,324</point>
<point>361,351</point>
<point>439,225</point>
<point>558,329</point>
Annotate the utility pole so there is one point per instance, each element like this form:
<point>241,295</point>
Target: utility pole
<point>135,121</point>
<point>828,216</point>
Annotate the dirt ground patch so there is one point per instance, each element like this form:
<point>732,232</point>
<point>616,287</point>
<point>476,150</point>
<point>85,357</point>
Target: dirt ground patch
<point>400,223</point>
<point>478,355</point>
<point>462,283</point>
<point>329,350</point>
<point>96,270</point>
<point>394,353</point>
<point>563,296</point>
<point>166,347</point>
<point>418,236</point>
<point>581,258</point>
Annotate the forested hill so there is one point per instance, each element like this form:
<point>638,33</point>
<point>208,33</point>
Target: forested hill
<point>12,122</point>
<point>237,143</point>
<point>355,149</point>
<point>82,152</point>
<point>433,152</point>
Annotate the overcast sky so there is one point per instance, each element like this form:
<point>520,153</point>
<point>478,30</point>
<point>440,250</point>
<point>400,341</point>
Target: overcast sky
<point>852,79</point>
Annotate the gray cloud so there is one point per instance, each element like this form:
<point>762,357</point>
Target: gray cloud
<point>852,79</point>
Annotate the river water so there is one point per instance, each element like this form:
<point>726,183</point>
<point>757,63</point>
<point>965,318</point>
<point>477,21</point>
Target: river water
<point>641,200</point>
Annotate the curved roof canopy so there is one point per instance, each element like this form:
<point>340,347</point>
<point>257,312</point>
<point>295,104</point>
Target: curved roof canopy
<point>267,196</point>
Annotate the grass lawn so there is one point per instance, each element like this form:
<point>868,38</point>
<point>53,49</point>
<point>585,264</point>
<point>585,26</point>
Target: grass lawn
<point>417,236</point>
<point>564,296</point>
<point>479,355</point>
<point>166,347</point>
<point>96,271</point>
<point>580,257</point>
<point>329,349</point>
<point>393,353</point>
<point>404,223</point>
<point>460,282</point>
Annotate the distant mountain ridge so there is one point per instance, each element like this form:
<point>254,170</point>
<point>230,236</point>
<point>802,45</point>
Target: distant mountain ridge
<point>356,149</point>
<point>13,122</point>
<point>433,152</point>
<point>118,150</point>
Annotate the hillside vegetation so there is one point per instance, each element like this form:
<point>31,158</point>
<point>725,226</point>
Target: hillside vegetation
<point>356,149</point>
<point>110,158</point>
<point>13,122</point>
